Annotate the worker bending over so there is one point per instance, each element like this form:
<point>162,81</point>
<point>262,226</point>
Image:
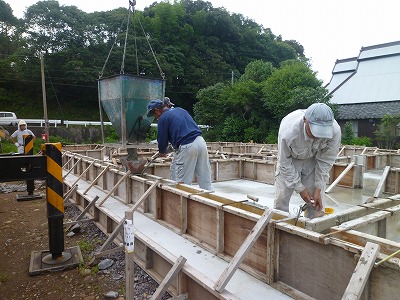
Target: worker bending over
<point>308,143</point>
<point>177,127</point>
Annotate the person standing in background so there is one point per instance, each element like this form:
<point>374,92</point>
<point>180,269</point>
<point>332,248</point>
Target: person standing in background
<point>19,136</point>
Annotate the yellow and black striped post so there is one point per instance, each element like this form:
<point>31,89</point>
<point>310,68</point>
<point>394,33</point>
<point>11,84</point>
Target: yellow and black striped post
<point>28,150</point>
<point>55,202</point>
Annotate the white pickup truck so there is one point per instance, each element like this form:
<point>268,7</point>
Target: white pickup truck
<point>8,118</point>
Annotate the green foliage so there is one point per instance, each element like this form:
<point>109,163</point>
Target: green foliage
<point>348,134</point>
<point>251,109</point>
<point>388,132</point>
<point>257,71</point>
<point>110,134</point>
<point>362,141</point>
<point>196,46</point>
<point>293,86</point>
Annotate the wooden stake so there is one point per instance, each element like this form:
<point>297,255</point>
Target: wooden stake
<point>382,182</point>
<point>361,272</point>
<point>129,267</point>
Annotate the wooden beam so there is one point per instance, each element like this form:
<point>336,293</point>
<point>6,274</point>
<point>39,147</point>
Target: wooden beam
<point>83,173</point>
<point>176,268</point>
<point>241,253</point>
<point>96,179</point>
<point>340,177</point>
<point>70,170</point>
<point>115,187</point>
<point>361,273</point>
<point>382,182</point>
<point>83,213</point>
<point>117,229</point>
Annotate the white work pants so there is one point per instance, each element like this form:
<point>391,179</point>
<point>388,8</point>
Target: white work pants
<point>283,194</point>
<point>192,159</point>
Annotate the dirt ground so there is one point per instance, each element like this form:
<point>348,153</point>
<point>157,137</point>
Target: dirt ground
<point>23,229</point>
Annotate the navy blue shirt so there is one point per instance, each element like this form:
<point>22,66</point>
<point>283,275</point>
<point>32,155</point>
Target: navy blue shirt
<point>177,127</point>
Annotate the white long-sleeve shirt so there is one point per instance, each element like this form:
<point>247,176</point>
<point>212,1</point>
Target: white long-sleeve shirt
<point>295,144</point>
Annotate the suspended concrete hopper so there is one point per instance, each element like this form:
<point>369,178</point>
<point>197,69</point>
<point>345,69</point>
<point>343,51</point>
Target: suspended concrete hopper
<point>124,99</point>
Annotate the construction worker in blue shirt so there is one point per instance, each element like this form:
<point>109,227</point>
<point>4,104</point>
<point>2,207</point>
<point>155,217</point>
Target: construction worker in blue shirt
<point>176,126</point>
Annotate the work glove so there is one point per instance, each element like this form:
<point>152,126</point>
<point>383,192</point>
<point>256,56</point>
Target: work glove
<point>16,144</point>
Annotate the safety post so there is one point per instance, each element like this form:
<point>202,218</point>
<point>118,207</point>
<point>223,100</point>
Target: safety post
<point>28,150</point>
<point>55,204</point>
<point>30,183</point>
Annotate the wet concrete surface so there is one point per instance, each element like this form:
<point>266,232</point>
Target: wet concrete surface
<point>339,198</point>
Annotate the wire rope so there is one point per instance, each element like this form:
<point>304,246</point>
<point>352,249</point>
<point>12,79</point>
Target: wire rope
<point>151,48</point>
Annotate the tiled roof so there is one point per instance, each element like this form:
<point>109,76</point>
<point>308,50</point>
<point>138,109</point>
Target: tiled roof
<point>368,110</point>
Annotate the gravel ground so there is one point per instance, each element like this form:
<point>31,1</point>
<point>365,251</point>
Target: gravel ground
<point>24,227</point>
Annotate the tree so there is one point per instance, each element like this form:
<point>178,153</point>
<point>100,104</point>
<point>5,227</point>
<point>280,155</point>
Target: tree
<point>388,132</point>
<point>293,86</point>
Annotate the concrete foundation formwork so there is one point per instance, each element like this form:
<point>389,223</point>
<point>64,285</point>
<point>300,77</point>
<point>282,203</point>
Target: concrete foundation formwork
<point>301,259</point>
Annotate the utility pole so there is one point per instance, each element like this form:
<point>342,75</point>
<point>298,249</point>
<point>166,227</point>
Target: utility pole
<point>46,124</point>
<point>232,77</point>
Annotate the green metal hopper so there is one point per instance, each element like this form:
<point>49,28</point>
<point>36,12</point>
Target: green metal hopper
<point>124,99</point>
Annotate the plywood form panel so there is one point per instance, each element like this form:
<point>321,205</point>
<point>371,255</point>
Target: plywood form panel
<point>236,230</point>
<point>371,162</point>
<point>170,206</point>
<point>265,172</point>
<point>393,227</point>
<point>384,283</point>
<point>162,170</point>
<point>320,271</point>
<point>248,170</point>
<point>202,222</point>
<point>227,169</point>
<point>197,292</point>
<point>392,182</point>
<point>347,180</point>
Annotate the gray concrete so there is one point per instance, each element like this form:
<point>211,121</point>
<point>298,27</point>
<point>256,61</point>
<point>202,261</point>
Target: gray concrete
<point>339,198</point>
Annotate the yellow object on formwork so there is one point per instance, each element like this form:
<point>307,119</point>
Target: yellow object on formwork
<point>329,210</point>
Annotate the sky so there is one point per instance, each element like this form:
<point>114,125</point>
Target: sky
<point>327,29</point>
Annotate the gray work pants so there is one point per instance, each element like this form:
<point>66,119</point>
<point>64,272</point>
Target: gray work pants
<point>283,193</point>
<point>192,159</point>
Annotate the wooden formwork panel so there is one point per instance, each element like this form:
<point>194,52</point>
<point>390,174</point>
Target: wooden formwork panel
<point>161,170</point>
<point>371,162</point>
<point>347,180</point>
<point>96,154</point>
<point>170,207</point>
<point>392,182</point>
<point>317,270</point>
<point>394,160</point>
<point>259,171</point>
<point>202,222</point>
<point>392,227</point>
<point>226,169</point>
<point>265,172</point>
<point>384,283</point>
<point>236,230</point>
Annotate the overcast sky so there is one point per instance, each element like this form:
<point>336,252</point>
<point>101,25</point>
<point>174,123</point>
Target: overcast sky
<point>328,29</point>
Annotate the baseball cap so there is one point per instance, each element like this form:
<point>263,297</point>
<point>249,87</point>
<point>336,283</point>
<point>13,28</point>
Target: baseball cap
<point>168,102</point>
<point>320,118</point>
<point>152,105</point>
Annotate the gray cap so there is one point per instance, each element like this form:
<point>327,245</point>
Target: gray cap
<point>320,117</point>
<point>168,102</point>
